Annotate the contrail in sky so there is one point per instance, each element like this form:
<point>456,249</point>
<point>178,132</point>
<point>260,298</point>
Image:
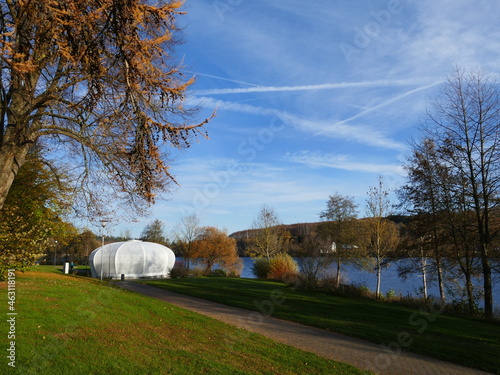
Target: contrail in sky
<point>387,102</point>
<point>323,86</point>
<point>222,78</point>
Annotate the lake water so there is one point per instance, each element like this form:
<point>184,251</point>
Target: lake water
<point>389,280</point>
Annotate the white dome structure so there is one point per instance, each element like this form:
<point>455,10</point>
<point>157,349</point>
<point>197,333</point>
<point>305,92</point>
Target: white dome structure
<point>133,259</point>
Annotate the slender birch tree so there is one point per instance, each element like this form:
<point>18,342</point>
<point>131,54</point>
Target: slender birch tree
<point>382,233</point>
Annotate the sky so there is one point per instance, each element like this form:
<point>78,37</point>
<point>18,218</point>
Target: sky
<point>312,98</point>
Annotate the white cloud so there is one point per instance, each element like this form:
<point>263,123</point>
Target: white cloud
<point>342,130</point>
<point>362,134</point>
<point>345,162</point>
<point>450,32</point>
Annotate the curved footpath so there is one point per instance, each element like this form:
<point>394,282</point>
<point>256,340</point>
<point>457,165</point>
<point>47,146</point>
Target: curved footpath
<point>357,352</point>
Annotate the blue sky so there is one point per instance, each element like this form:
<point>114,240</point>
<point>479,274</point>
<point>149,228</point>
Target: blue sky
<point>312,98</point>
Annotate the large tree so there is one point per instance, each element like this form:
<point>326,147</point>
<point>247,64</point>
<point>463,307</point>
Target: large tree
<point>464,121</point>
<point>97,82</point>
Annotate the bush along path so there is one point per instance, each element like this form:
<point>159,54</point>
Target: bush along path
<point>381,359</point>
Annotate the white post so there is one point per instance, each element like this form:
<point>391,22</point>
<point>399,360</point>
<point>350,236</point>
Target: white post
<point>103,224</point>
<point>55,252</point>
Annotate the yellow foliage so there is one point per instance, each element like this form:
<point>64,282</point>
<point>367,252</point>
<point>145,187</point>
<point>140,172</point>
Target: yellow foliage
<point>214,246</point>
<point>98,77</point>
<point>22,239</point>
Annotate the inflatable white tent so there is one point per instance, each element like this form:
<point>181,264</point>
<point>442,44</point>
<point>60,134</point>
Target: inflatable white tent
<point>133,259</point>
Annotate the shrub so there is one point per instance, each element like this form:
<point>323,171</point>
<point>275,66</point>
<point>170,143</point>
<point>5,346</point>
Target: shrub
<point>391,293</point>
<point>260,268</point>
<point>180,270</point>
<point>496,312</point>
<point>283,267</point>
<point>233,273</point>
<point>218,273</point>
<point>232,266</point>
<point>353,291</point>
<point>312,270</point>
<point>198,272</point>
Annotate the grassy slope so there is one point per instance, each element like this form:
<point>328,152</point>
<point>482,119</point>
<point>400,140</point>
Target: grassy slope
<point>468,342</point>
<point>68,324</point>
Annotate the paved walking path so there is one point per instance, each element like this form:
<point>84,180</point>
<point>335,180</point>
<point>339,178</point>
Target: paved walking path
<point>357,352</point>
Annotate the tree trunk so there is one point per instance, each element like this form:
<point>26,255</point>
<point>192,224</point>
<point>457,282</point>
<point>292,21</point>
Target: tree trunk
<point>424,274</point>
<point>482,218</point>
<point>439,267</point>
<point>337,281</point>
<point>468,269</point>
<point>377,293</point>
<point>11,159</point>
<point>209,265</point>
<point>488,294</point>
<point>470,292</point>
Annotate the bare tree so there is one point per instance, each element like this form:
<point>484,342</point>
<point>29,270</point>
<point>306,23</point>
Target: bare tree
<point>313,261</point>
<point>382,233</point>
<point>126,234</point>
<point>95,81</point>
<point>185,234</point>
<point>465,123</point>
<point>268,236</point>
<point>339,229</point>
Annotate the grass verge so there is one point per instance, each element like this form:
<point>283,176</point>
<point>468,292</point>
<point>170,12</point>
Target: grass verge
<point>469,342</point>
<point>71,324</point>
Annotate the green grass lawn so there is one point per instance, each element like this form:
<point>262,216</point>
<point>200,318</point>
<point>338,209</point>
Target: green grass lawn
<point>469,342</point>
<point>76,325</point>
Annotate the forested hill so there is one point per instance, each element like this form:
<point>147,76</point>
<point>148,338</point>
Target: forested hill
<point>296,230</point>
<point>302,230</point>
